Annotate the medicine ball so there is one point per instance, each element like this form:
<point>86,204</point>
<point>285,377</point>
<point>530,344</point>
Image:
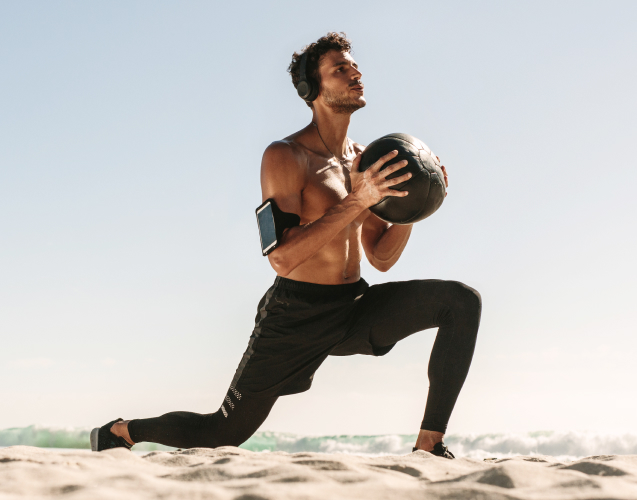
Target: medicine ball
<point>426,187</point>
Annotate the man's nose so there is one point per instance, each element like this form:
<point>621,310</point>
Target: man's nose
<point>357,75</point>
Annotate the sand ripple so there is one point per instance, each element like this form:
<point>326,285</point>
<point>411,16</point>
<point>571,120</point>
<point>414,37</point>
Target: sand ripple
<point>232,473</point>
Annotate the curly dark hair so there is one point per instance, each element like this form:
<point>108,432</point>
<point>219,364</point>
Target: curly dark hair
<point>331,41</point>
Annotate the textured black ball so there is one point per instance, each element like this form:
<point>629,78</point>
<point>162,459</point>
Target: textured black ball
<point>426,187</point>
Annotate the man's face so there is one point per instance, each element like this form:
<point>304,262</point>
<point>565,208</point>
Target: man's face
<point>341,87</point>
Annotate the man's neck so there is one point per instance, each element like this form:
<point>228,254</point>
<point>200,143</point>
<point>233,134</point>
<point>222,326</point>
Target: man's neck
<point>333,129</point>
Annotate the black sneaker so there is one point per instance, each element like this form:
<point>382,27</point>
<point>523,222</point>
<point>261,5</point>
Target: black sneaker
<point>103,439</point>
<point>440,450</point>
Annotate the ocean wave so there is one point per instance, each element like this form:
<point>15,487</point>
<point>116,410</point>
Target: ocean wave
<point>59,437</point>
<point>564,444</point>
<point>394,444</point>
<point>567,445</point>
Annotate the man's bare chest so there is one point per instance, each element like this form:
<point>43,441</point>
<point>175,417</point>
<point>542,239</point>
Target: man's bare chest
<point>327,185</point>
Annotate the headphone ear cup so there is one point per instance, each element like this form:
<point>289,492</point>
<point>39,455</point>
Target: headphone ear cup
<point>308,91</point>
<point>304,90</point>
<point>313,91</point>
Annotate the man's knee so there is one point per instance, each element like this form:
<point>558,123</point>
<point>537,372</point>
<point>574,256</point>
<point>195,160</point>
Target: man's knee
<point>469,298</point>
<point>472,296</point>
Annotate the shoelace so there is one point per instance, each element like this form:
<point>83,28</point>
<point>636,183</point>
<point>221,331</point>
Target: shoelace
<point>442,451</point>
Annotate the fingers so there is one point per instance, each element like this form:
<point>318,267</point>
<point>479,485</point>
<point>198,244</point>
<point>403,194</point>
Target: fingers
<point>393,182</point>
<point>382,160</point>
<point>444,172</point>
<point>398,180</point>
<point>387,183</point>
<point>393,168</point>
<point>393,192</point>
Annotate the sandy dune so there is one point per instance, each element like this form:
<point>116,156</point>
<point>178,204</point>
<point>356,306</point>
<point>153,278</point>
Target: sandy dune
<point>232,473</point>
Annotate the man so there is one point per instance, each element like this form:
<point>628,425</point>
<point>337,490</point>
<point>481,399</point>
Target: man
<point>319,305</point>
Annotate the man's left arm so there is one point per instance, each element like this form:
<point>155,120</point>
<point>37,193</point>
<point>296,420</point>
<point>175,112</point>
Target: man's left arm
<point>383,242</point>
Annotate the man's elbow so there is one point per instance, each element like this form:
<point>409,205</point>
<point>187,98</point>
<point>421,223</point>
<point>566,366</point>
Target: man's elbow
<point>280,262</point>
<point>382,266</point>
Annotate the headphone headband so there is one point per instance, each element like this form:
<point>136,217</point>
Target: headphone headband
<point>303,64</point>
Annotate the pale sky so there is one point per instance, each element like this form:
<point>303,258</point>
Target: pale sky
<point>131,135</point>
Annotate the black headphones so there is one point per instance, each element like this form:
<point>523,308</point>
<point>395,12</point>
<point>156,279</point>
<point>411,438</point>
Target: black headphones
<point>307,89</point>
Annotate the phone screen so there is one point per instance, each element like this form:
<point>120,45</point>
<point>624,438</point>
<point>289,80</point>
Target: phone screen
<point>265,219</point>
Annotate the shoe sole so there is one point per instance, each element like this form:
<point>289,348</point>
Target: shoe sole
<point>95,438</point>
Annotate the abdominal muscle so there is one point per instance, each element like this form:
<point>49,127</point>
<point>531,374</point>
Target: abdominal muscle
<point>338,262</point>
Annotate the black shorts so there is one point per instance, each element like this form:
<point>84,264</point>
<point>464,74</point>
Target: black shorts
<point>297,326</point>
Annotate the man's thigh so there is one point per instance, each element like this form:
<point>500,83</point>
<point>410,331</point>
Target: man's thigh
<point>390,312</point>
<point>294,333</point>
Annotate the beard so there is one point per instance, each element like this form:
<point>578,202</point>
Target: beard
<point>341,103</point>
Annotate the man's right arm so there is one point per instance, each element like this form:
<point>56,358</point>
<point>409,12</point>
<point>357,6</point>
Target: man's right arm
<point>283,177</point>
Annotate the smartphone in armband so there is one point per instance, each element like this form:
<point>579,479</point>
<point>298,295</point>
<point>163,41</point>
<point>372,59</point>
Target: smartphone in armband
<point>267,229</point>
<point>272,223</point>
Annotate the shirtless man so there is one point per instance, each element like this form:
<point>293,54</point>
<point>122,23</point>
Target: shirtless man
<point>319,305</point>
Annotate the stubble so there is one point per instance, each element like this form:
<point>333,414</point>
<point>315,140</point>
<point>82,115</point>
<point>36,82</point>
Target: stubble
<point>341,103</point>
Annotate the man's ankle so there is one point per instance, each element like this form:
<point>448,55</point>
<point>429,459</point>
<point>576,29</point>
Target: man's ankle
<point>428,439</point>
<point>120,429</point>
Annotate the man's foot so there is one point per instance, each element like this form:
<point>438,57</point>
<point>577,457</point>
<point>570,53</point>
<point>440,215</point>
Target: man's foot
<point>103,439</point>
<point>440,450</point>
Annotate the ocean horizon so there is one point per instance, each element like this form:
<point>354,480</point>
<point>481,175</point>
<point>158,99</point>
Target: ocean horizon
<point>564,445</point>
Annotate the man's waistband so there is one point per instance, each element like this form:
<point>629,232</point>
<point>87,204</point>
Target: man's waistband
<point>353,289</point>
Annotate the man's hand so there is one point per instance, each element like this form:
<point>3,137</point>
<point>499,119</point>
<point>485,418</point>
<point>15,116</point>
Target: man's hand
<point>371,186</point>
<point>444,173</point>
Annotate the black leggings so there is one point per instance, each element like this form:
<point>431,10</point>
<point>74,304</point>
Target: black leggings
<point>385,314</point>
<point>183,429</point>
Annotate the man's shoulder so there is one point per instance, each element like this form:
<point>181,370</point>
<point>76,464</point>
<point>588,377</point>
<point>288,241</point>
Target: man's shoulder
<point>290,152</point>
<point>284,154</point>
<point>282,148</point>
<point>284,162</point>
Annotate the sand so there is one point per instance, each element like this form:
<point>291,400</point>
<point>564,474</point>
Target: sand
<point>232,473</point>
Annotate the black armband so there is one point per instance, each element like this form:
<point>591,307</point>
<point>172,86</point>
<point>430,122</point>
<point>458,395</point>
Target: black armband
<point>272,221</point>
